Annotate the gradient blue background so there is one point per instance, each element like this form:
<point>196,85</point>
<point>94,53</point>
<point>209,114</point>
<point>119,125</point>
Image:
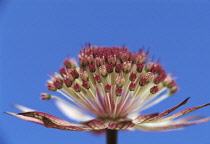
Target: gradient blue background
<point>37,35</point>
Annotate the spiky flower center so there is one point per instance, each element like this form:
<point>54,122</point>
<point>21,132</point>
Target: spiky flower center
<point>112,82</point>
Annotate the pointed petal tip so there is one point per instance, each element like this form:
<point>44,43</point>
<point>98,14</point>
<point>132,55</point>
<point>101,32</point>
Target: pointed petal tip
<point>22,108</point>
<point>207,104</point>
<point>169,110</point>
<point>185,101</point>
<point>10,113</point>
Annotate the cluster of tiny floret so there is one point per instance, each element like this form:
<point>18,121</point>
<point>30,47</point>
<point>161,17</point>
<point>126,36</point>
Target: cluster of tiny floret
<point>110,79</point>
<point>102,61</point>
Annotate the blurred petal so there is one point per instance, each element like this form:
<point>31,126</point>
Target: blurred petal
<point>133,115</point>
<point>23,108</point>
<point>49,121</point>
<point>72,112</point>
<point>189,118</point>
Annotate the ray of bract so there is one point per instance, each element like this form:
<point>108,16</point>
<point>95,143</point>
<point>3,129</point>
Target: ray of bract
<point>23,108</point>
<point>71,111</point>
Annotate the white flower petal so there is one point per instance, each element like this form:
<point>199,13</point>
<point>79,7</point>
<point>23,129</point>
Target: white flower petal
<point>71,111</point>
<point>23,108</point>
<point>133,115</point>
<point>157,124</point>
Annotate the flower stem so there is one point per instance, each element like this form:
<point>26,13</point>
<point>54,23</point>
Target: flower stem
<point>111,136</point>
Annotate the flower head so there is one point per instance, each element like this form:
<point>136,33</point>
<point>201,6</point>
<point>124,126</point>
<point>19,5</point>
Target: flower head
<point>110,89</point>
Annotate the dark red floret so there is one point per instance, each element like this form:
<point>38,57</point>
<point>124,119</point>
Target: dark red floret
<point>85,84</point>
<point>154,89</point>
<point>97,78</point>
<point>67,82</point>
<point>51,87</point>
<point>92,68</point>
<point>139,67</point>
<point>75,74</point>
<point>107,88</point>
<point>58,83</point>
<point>156,68</point>
<point>67,64</point>
<point>77,87</point>
<point>62,71</point>
<point>109,68</point>
<point>118,68</point>
<point>118,91</point>
<point>160,78</point>
<point>132,86</point>
<point>132,76</point>
<point>142,81</point>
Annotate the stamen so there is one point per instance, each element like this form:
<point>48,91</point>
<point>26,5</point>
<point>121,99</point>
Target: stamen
<point>75,74</point>
<point>154,89</point>
<point>149,66</point>
<point>126,66</point>
<point>160,78</point>
<point>112,59</point>
<point>158,100</point>
<point>124,56</point>
<point>65,95</point>
<point>84,76</point>
<point>100,61</point>
<point>51,86</point>
<point>63,72</point>
<point>139,67</point>
<point>45,96</point>
<point>103,71</point>
<point>77,87</point>
<point>142,81</point>
<point>98,78</point>
<point>85,84</point>
<point>70,63</point>
<point>67,82</point>
<point>174,89</point>
<point>67,64</point>
<point>118,91</point>
<point>107,88</point>
<point>132,86</point>
<point>92,68</point>
<point>132,76</point>
<point>118,68</point>
<point>120,81</point>
<point>58,83</point>
<point>69,76</point>
<point>149,76</point>
<point>156,68</point>
<point>109,68</point>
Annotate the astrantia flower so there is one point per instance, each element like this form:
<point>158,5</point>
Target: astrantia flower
<point>110,89</point>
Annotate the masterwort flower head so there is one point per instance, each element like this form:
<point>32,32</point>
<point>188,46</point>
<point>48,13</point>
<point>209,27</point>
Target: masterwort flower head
<point>109,89</point>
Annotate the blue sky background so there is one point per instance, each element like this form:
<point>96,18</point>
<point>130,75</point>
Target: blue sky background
<point>37,35</point>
